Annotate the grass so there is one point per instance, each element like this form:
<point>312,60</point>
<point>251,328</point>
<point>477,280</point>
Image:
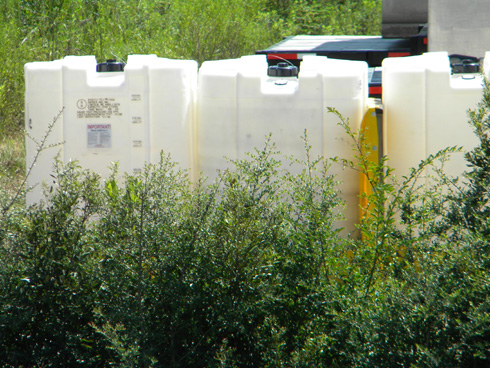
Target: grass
<point>12,161</point>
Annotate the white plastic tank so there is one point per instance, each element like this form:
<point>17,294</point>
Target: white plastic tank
<point>239,104</point>
<point>425,110</point>
<point>110,112</point>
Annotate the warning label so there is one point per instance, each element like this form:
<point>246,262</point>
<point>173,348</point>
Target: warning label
<point>98,108</point>
<point>99,136</point>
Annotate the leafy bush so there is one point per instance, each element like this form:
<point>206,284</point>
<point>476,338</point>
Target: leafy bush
<point>252,270</point>
<point>160,272</point>
<point>212,274</point>
<point>47,280</point>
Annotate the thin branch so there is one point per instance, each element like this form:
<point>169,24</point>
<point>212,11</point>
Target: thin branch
<point>41,146</point>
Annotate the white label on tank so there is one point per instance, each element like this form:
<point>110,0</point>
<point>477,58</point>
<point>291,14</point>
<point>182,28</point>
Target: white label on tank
<point>99,136</point>
<point>104,107</point>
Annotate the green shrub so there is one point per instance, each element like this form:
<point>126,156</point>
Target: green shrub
<point>203,275</point>
<point>151,270</point>
<point>47,277</point>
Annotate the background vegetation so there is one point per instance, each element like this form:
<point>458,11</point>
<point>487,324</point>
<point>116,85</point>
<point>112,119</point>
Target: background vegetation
<point>32,30</point>
<point>183,29</point>
<point>248,271</point>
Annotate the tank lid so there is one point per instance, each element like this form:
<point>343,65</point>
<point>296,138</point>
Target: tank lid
<point>282,70</point>
<point>464,64</point>
<point>111,65</point>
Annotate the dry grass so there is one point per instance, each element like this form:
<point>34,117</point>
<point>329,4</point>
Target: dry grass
<point>12,162</point>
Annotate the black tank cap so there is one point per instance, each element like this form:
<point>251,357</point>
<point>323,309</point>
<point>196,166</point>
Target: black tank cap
<point>110,65</point>
<point>282,70</point>
<point>464,64</point>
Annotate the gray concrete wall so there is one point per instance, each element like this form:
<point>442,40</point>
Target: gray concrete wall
<point>459,27</point>
<point>401,18</point>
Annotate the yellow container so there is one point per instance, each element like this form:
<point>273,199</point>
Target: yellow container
<point>372,148</point>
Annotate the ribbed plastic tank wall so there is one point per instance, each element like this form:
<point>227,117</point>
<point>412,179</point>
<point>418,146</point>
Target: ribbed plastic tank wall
<point>126,116</point>
<point>239,105</point>
<point>425,110</point>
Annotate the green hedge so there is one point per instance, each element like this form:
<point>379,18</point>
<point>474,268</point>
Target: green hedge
<point>249,271</point>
